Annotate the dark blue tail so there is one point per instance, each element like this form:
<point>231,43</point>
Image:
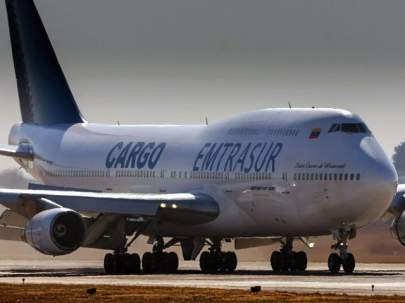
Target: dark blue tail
<point>45,96</point>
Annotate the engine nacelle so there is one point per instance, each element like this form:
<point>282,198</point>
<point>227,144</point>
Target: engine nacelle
<point>57,231</point>
<point>398,228</point>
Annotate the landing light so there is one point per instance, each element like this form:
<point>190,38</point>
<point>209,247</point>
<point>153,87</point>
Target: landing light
<point>163,205</point>
<point>174,205</point>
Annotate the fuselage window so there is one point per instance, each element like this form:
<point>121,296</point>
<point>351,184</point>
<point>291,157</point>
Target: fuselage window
<point>358,177</point>
<point>336,177</point>
<point>346,176</point>
<point>340,177</point>
<point>354,128</point>
<point>334,128</point>
<point>349,128</point>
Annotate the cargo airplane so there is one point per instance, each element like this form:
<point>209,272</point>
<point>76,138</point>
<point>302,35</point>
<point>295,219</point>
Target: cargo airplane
<point>268,176</point>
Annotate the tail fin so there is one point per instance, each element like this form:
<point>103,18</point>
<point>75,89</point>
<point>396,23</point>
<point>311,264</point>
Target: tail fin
<point>45,96</point>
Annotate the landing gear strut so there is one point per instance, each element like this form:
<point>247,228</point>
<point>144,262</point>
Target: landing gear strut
<point>344,258</point>
<point>215,260</point>
<point>160,261</point>
<point>288,260</point>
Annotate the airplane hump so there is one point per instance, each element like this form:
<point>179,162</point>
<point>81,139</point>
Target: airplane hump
<point>45,96</point>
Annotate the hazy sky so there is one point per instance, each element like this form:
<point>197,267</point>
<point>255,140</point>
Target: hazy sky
<point>178,61</point>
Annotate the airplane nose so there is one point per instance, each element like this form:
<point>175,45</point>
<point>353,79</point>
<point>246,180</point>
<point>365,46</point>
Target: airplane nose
<point>380,177</point>
<point>378,167</point>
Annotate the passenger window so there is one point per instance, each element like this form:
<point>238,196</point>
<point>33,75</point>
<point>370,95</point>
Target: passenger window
<point>346,176</point>
<point>358,177</point>
<point>352,177</point>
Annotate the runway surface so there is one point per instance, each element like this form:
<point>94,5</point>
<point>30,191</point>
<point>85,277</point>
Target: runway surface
<point>386,278</point>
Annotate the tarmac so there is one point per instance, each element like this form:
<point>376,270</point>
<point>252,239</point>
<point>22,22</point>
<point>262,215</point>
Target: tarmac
<point>387,279</point>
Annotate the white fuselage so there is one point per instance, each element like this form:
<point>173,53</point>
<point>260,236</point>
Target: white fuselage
<point>267,175</point>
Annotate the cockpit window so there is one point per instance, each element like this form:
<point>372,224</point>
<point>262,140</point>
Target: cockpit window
<point>334,128</point>
<point>349,128</point>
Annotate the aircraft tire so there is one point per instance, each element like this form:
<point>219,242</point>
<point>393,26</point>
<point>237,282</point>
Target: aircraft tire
<point>205,255</point>
<point>230,261</point>
<point>132,263</point>
<point>276,261</point>
<point>286,261</point>
<point>148,261</point>
<point>162,262</point>
<point>349,263</point>
<point>173,261</point>
<point>334,263</point>
<point>301,261</point>
<point>108,263</point>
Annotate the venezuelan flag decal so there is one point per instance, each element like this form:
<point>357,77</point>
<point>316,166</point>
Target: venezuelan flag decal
<point>315,133</point>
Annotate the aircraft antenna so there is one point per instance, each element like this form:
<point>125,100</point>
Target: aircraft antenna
<point>206,120</point>
<point>289,105</point>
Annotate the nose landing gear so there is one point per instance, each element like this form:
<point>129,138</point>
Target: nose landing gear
<point>288,260</point>
<point>344,258</point>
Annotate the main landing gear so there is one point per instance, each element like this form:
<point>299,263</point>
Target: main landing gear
<point>215,260</point>
<point>343,259</point>
<point>157,261</point>
<point>288,260</point>
<point>122,263</point>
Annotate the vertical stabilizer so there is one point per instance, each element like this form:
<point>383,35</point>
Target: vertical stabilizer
<point>45,96</point>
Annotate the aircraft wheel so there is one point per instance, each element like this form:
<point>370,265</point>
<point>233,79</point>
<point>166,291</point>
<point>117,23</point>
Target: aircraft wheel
<point>148,262</point>
<point>204,261</point>
<point>286,261</point>
<point>293,261</point>
<point>108,263</point>
<point>349,263</point>
<point>334,263</point>
<point>230,261</point>
<point>276,261</point>
<point>173,261</point>
<point>132,263</point>
<point>162,262</point>
<point>301,261</point>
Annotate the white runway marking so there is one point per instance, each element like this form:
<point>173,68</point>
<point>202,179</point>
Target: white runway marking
<point>386,278</point>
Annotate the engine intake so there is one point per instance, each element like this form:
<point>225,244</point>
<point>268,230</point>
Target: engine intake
<point>57,231</point>
<point>398,228</point>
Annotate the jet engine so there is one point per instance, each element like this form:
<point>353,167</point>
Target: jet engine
<point>57,231</point>
<point>398,228</point>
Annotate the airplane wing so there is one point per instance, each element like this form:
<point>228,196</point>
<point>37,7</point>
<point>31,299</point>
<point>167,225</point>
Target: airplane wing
<point>184,208</point>
<point>19,152</point>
